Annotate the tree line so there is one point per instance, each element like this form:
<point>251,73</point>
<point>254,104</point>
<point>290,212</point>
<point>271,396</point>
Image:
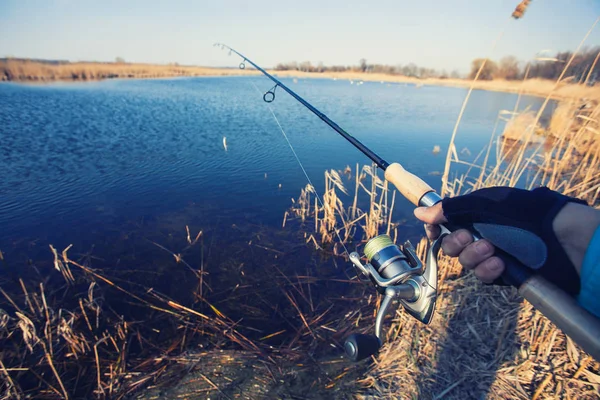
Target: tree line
<point>584,65</point>
<point>410,69</point>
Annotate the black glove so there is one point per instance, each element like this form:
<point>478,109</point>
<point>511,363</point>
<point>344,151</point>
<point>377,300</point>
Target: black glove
<point>518,222</point>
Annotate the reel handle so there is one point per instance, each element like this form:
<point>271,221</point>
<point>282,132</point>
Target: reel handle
<point>359,346</point>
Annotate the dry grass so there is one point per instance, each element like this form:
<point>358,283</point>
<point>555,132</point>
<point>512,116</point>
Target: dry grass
<point>68,330</point>
<point>16,70</point>
<point>336,224</point>
<point>57,346</point>
<point>484,342</point>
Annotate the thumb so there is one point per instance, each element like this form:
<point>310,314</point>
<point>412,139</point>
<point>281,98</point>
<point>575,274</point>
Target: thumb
<point>431,215</point>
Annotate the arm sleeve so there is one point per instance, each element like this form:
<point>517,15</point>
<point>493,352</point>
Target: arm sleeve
<point>589,295</point>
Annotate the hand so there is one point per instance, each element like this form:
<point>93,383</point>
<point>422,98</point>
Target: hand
<point>564,225</point>
<point>473,256</point>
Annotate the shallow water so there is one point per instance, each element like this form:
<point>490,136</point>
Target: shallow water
<point>81,160</point>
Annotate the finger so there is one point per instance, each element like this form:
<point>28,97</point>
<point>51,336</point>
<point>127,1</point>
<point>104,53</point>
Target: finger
<point>456,242</point>
<point>431,215</point>
<point>489,270</point>
<point>476,253</point>
<point>432,231</point>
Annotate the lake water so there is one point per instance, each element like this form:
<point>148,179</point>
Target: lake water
<point>78,157</point>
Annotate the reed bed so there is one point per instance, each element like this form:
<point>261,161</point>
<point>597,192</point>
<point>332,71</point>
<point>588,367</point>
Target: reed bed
<point>485,341</point>
<point>65,343</point>
<point>335,224</point>
<point>259,310</point>
<point>24,70</point>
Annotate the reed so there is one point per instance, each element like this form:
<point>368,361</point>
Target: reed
<point>25,70</point>
<point>72,331</point>
<point>333,221</point>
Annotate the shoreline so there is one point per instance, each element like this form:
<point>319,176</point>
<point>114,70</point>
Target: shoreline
<point>35,72</point>
<point>530,87</point>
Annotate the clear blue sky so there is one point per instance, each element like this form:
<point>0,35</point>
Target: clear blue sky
<point>442,34</point>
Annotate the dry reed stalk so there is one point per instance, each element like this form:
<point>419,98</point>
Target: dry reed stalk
<point>452,147</point>
<point>59,266</point>
<point>587,78</point>
<point>189,240</point>
<point>295,305</point>
<point>100,389</point>
<point>285,215</point>
<point>27,300</point>
<point>546,100</point>
<point>54,371</point>
<point>356,184</point>
<point>11,384</point>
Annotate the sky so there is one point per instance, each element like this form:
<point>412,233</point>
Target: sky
<point>440,34</point>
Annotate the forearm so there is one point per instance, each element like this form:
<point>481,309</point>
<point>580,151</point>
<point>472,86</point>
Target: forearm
<point>574,226</point>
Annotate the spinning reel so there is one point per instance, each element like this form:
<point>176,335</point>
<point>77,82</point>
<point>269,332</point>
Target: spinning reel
<point>397,273</point>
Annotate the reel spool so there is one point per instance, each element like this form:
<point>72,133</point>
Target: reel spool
<point>397,273</point>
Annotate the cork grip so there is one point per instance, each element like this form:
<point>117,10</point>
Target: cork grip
<point>412,187</point>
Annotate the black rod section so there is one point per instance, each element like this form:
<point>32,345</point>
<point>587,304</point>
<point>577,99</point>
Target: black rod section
<point>381,163</point>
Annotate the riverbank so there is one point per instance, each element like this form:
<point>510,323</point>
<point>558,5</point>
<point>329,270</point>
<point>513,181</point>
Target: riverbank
<point>30,71</point>
<point>534,87</point>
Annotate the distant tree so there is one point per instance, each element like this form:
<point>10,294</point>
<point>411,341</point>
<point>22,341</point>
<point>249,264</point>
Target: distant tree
<point>363,65</point>
<point>306,66</point>
<point>120,60</point>
<point>488,71</point>
<point>410,70</point>
<point>337,68</point>
<point>455,74</point>
<point>508,68</point>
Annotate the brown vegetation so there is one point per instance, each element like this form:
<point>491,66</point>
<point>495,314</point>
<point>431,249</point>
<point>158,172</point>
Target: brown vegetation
<point>23,70</point>
<point>243,320</point>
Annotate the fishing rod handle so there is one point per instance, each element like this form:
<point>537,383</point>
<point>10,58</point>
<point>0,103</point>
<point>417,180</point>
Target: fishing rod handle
<point>410,186</point>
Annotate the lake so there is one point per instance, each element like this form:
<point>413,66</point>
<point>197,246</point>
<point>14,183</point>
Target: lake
<point>77,157</point>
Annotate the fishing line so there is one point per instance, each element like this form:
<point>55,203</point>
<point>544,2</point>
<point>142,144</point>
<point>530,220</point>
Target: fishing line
<point>300,163</point>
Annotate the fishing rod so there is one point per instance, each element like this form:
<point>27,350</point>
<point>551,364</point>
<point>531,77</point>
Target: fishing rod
<point>398,273</point>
